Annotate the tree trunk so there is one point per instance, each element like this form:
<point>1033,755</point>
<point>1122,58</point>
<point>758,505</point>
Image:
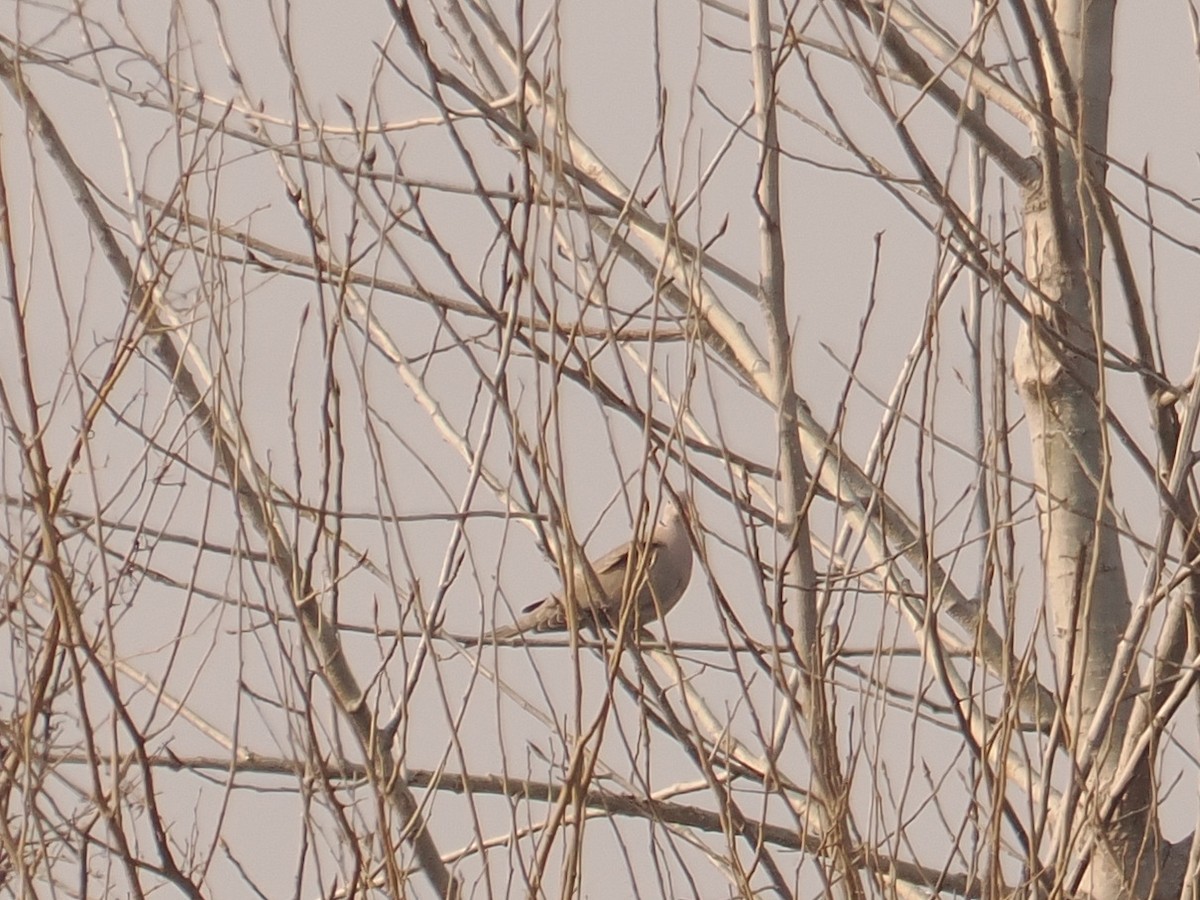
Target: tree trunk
<point>1057,371</point>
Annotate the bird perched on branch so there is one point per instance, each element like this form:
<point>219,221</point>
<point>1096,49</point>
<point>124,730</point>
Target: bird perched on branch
<point>662,571</point>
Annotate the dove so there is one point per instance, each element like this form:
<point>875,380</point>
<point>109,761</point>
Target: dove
<point>664,569</point>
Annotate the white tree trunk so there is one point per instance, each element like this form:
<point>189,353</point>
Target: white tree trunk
<point>1064,394</point>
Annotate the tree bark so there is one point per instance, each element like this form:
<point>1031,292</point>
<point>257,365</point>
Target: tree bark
<point>1063,388</point>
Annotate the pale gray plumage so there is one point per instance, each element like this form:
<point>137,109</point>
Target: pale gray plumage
<point>665,567</point>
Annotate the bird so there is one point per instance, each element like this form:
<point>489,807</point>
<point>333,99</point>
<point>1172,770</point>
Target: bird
<point>664,570</point>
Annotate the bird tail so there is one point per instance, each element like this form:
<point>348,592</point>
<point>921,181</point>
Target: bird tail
<point>503,633</point>
<point>541,615</point>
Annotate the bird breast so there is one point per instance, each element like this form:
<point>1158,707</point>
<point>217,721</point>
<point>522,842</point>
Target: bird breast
<point>670,572</point>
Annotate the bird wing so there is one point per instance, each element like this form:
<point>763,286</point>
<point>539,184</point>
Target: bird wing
<point>549,614</point>
<point>536,604</point>
<point>618,558</point>
<point>614,560</point>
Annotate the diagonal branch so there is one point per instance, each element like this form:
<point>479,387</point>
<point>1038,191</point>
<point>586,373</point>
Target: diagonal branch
<point>232,449</point>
